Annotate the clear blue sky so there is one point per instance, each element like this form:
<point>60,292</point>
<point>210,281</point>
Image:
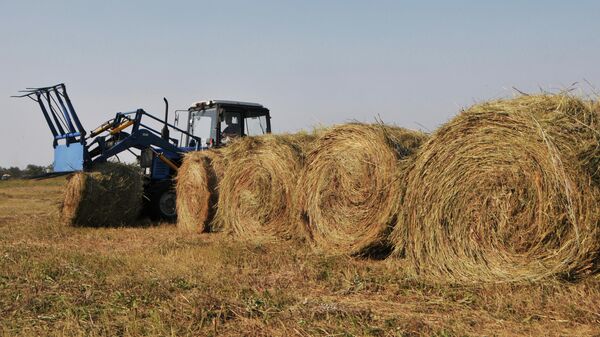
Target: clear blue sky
<point>414,64</point>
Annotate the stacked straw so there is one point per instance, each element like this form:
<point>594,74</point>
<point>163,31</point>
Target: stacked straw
<point>507,190</point>
<point>111,195</point>
<point>256,194</point>
<point>196,188</point>
<point>349,191</point>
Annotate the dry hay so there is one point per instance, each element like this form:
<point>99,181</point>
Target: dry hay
<point>506,191</point>
<point>256,194</point>
<point>111,195</point>
<point>196,188</point>
<point>349,191</point>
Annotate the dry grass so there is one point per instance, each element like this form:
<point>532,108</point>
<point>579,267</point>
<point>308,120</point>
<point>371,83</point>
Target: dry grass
<point>256,194</point>
<point>507,190</point>
<point>197,189</point>
<point>350,187</point>
<point>109,196</point>
<point>74,281</point>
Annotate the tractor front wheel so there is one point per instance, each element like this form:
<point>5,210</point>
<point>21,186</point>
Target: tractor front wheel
<point>162,201</point>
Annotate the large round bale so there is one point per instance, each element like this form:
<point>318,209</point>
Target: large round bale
<point>256,194</point>
<point>505,191</point>
<point>196,188</point>
<point>111,195</point>
<point>350,188</point>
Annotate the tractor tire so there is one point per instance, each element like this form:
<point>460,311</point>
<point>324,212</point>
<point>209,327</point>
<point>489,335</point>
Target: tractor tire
<point>161,205</point>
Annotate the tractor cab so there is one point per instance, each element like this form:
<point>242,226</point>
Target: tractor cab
<point>218,122</point>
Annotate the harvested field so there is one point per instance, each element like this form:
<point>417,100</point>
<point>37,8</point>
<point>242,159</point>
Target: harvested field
<point>350,188</point>
<point>109,196</point>
<point>507,190</point>
<point>74,281</point>
<point>257,192</point>
<point>197,189</point>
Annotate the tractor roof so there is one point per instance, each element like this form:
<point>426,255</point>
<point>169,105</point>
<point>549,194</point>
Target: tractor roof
<point>246,108</point>
<point>211,103</point>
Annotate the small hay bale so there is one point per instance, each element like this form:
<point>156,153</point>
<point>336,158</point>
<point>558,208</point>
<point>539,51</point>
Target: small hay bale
<point>111,195</point>
<point>196,188</point>
<point>256,194</point>
<point>350,187</point>
<point>505,191</point>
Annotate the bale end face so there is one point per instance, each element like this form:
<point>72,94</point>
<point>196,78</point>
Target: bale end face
<point>500,193</point>
<point>350,187</point>
<point>257,193</point>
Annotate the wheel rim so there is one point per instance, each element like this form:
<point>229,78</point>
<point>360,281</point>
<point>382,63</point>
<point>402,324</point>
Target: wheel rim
<point>167,204</point>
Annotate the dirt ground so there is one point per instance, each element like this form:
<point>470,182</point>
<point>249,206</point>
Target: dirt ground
<point>157,280</point>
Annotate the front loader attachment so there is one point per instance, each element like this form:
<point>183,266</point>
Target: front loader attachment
<point>69,135</point>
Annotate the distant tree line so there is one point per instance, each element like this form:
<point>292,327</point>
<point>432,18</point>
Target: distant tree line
<point>29,171</point>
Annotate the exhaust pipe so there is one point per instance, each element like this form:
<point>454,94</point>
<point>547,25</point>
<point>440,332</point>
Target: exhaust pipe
<point>165,130</point>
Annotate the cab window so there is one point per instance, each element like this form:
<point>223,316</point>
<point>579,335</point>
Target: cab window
<point>201,125</point>
<point>231,126</point>
<point>255,126</point>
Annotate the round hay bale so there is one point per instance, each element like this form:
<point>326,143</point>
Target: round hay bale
<point>350,187</point>
<point>196,188</point>
<point>256,194</point>
<point>505,191</point>
<point>111,195</point>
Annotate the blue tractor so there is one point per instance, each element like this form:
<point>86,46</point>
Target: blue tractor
<point>208,124</point>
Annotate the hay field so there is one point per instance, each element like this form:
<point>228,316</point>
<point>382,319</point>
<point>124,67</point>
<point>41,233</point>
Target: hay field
<point>61,280</point>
